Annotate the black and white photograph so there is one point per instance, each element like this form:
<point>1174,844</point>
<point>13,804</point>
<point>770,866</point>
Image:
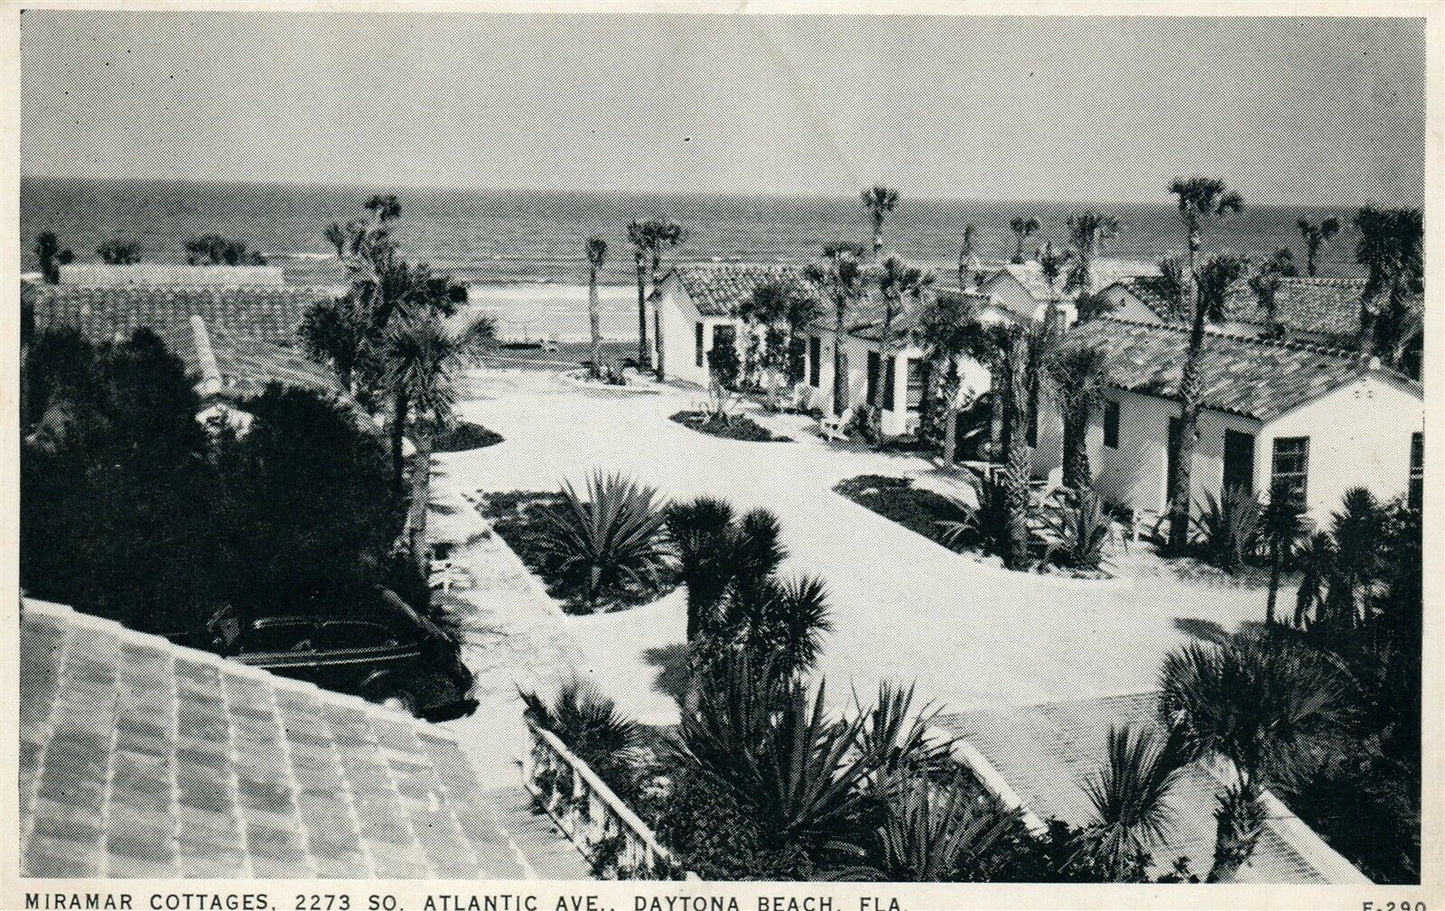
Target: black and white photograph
<point>702,446</point>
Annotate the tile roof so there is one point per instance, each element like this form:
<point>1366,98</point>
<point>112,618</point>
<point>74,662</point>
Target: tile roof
<point>1248,376</point>
<point>103,275</point>
<point>1328,307</point>
<point>139,758</point>
<point>1044,753</point>
<point>717,290</point>
<point>109,314</point>
<point>1150,289</point>
<point>252,331</point>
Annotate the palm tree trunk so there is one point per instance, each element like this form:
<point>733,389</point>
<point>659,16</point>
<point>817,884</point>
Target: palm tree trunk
<point>643,356</point>
<point>840,377</point>
<point>1188,416</point>
<point>657,318</point>
<point>1275,559</point>
<point>1017,470</point>
<point>420,498</point>
<point>594,317</point>
<point>877,235</point>
<point>1077,472</point>
<point>398,434</point>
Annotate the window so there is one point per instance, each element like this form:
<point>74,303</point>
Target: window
<point>1111,424</point>
<point>1417,470</point>
<point>288,636</point>
<point>348,634</point>
<point>815,358</point>
<point>890,386</point>
<point>1031,433</point>
<point>697,346</point>
<point>1238,462</point>
<point>915,383</point>
<point>875,367</point>
<point>1290,466</point>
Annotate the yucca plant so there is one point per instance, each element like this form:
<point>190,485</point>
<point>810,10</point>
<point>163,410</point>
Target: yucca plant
<point>895,738</point>
<point>938,832</point>
<point>1227,527</point>
<point>987,523</point>
<point>607,541</point>
<point>1079,526</point>
<point>794,770</point>
<point>1129,792</point>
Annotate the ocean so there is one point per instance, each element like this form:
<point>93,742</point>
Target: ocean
<point>526,247</point>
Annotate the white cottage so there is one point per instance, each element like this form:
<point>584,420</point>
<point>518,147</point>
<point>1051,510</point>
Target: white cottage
<point>1305,415</point>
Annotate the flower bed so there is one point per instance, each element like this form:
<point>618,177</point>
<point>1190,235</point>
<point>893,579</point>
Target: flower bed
<point>926,512</point>
<point>734,427</point>
<point>515,515</point>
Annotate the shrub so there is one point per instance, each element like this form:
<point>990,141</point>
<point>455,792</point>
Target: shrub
<point>1079,527</point>
<point>589,723</point>
<point>1227,528</point>
<point>465,435</point>
<point>984,525</point>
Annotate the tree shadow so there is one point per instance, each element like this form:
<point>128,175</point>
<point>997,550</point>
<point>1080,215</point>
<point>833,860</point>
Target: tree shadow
<point>672,676</point>
<point>1207,630</point>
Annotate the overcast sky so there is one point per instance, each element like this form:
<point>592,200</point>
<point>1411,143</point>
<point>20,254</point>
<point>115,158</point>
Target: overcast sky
<point>1107,110</point>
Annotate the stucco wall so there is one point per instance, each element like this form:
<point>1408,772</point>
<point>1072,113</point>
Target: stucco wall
<point>679,327</point>
<point>1359,437</point>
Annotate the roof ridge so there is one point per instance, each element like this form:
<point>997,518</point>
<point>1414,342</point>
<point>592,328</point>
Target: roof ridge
<point>1295,344</point>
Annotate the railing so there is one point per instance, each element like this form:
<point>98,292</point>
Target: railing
<point>603,828</point>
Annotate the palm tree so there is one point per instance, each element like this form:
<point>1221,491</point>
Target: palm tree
<point>968,263</point>
<point>879,201</point>
<point>648,239</point>
<point>1087,231</point>
<point>1202,201</point>
<point>1282,524</point>
<point>1078,376</point>
<point>843,281</point>
<point>1265,280</point>
<point>775,311</point>
<point>596,258</point>
<point>1260,702</point>
<point>420,357</point>
<point>1316,236</point>
<point>1129,794</point>
<point>947,330</point>
<point>1009,349</point>
<point>1391,247</point>
<point>1022,227</point>
<point>896,282</point>
<point>702,534</point>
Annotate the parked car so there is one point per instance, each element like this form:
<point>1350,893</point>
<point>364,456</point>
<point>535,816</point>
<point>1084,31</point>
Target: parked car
<point>388,654</point>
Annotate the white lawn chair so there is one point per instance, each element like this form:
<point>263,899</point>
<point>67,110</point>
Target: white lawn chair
<point>832,428</point>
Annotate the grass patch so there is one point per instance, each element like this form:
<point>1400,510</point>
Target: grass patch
<point>897,499</point>
<point>734,427</point>
<point>463,436</point>
<point>516,514</point>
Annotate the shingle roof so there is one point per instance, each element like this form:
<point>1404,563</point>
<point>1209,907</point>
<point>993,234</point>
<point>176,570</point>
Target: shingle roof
<point>1248,376</point>
<point>139,758</point>
<point>252,330</point>
<point>718,290</point>
<point>1044,753</point>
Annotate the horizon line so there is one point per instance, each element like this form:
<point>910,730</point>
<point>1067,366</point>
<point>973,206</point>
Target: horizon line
<point>703,194</point>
